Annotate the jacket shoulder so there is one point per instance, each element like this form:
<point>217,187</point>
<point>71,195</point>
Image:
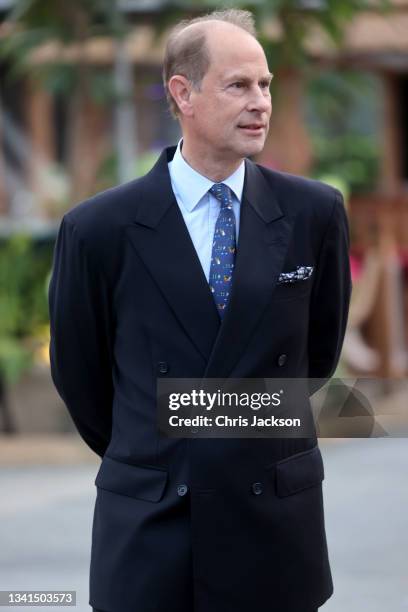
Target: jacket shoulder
<point>102,212</point>
<point>98,223</point>
<point>304,194</point>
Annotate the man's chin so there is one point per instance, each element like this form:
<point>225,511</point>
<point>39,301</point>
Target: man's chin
<point>252,148</point>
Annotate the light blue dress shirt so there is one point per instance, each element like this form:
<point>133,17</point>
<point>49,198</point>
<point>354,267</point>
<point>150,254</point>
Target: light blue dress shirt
<point>199,208</point>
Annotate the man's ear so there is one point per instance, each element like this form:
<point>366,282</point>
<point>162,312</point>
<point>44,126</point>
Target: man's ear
<point>180,89</point>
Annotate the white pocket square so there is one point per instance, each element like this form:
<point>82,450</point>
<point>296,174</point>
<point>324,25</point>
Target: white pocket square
<point>301,273</point>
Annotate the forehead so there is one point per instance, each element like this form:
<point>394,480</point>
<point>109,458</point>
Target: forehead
<point>233,50</point>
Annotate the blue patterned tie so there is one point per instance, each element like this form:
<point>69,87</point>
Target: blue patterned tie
<point>223,249</point>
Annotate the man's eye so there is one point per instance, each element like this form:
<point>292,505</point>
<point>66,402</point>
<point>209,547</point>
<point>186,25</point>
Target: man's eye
<point>238,85</point>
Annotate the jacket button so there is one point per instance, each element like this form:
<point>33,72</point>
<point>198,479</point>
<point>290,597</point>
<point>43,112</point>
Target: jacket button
<point>282,360</point>
<point>163,367</point>
<point>182,490</point>
<point>257,488</point>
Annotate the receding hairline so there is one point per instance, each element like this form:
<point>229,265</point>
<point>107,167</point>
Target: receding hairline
<point>209,25</point>
<point>214,23</point>
<point>206,28</point>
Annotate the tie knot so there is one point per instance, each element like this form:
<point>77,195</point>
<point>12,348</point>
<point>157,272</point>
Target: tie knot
<point>223,194</point>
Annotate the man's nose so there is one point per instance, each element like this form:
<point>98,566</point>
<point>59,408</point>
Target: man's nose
<point>260,100</point>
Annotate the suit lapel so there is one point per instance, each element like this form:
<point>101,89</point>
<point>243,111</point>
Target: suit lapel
<point>162,240</point>
<point>263,242</point>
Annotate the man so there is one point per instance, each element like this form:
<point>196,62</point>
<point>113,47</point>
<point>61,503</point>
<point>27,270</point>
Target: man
<point>203,525</point>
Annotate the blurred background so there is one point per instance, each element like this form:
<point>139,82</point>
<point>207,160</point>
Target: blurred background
<point>82,108</point>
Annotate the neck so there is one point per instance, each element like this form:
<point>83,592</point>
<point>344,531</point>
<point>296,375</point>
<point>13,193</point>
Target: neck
<point>208,165</point>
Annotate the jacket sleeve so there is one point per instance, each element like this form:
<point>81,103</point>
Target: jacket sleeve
<point>80,345</point>
<point>330,298</point>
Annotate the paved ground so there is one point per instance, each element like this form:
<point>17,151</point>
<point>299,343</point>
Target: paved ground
<point>46,514</point>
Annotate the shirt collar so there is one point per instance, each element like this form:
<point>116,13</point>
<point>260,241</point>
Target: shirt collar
<point>192,186</point>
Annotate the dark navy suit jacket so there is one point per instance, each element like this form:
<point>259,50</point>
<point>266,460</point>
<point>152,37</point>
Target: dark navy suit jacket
<point>129,303</point>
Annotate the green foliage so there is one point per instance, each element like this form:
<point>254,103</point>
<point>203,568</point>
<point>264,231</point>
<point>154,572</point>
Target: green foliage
<point>296,19</point>
<point>71,20</point>
<point>24,266</point>
<point>352,157</point>
<point>15,359</point>
<point>34,23</point>
<point>343,113</point>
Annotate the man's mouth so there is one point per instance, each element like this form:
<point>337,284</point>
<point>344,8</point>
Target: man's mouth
<point>253,127</point>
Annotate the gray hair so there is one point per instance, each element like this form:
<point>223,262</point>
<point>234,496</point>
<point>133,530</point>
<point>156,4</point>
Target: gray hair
<point>187,52</point>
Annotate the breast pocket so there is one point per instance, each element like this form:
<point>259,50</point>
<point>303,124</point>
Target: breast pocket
<point>289,291</point>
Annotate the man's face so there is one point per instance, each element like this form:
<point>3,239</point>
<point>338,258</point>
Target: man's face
<point>231,112</point>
